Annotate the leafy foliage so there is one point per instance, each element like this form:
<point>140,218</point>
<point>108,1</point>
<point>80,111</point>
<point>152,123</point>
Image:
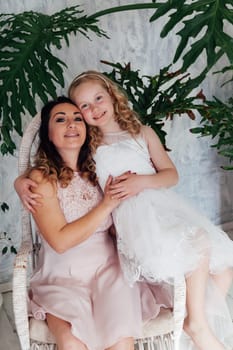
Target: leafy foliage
<point>203,22</point>
<point>227,69</point>
<point>30,71</point>
<point>4,207</point>
<point>217,122</point>
<point>9,246</point>
<point>157,98</point>
<point>4,235</point>
<point>28,67</point>
<point>204,27</point>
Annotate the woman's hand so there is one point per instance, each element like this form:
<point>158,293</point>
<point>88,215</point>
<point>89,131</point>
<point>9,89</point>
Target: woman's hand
<point>29,199</point>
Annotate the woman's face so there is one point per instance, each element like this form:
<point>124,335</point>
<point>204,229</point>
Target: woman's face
<point>67,129</point>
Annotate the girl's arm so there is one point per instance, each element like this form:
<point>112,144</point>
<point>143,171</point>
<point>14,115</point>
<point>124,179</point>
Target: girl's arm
<point>129,184</point>
<point>51,221</point>
<point>167,174</point>
<point>23,186</point>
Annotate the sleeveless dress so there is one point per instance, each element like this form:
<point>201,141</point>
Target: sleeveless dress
<point>85,285</point>
<point>160,237</point>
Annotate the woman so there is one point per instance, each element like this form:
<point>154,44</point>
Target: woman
<point>78,285</point>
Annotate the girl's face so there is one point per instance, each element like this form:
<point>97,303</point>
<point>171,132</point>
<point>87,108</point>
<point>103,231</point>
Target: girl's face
<point>67,129</point>
<point>95,104</point>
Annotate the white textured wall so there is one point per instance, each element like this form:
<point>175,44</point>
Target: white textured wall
<point>135,40</point>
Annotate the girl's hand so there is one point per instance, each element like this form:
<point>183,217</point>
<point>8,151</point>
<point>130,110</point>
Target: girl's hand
<point>127,185</point>
<point>28,198</point>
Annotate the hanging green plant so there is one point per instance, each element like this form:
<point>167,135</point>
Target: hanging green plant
<point>217,122</point>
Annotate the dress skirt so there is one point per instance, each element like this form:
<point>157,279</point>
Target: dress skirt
<point>85,287</point>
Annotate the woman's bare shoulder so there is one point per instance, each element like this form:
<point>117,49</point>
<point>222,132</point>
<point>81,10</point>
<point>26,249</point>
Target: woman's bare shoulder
<point>45,186</point>
<point>37,176</point>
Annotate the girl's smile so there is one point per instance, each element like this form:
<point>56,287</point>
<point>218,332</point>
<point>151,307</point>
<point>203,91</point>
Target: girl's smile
<point>96,105</point>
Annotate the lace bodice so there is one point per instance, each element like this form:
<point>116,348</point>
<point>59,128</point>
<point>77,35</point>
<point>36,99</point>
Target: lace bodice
<point>121,152</point>
<point>78,198</point>
<point>114,137</point>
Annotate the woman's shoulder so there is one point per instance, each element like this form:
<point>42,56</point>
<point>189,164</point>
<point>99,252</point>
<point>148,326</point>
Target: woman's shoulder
<point>45,186</point>
<point>37,176</point>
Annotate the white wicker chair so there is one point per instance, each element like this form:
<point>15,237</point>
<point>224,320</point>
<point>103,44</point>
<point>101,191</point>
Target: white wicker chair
<point>160,334</point>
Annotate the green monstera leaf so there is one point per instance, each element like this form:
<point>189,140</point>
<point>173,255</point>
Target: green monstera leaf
<point>28,67</point>
<point>204,27</point>
<point>30,71</point>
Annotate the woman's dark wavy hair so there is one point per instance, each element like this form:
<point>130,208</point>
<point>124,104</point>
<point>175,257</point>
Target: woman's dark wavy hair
<point>48,159</point>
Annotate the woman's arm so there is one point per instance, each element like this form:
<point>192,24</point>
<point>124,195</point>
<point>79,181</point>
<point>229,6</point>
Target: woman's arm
<point>51,221</point>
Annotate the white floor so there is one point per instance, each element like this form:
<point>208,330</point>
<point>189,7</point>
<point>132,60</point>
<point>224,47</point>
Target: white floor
<point>8,335</point>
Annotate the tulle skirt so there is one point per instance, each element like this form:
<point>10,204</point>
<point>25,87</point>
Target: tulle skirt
<point>161,238</point>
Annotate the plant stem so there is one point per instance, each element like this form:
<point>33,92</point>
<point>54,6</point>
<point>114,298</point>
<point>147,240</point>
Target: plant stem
<point>124,8</point>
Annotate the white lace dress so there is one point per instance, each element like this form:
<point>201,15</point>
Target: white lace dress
<point>160,236</point>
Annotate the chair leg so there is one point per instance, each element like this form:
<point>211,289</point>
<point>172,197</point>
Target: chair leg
<point>163,342</point>
<point>179,310</point>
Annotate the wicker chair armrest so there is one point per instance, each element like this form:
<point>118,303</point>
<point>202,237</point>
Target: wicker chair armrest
<point>20,294</point>
<point>22,257</point>
<point>179,309</point>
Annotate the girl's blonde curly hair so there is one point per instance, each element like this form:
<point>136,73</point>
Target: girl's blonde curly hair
<point>126,118</point>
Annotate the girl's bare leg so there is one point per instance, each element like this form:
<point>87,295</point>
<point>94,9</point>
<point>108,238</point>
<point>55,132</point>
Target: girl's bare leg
<point>124,344</point>
<point>196,325</point>
<point>64,338</point>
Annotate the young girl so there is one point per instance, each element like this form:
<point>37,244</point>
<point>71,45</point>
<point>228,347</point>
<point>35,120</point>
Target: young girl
<point>160,238</point>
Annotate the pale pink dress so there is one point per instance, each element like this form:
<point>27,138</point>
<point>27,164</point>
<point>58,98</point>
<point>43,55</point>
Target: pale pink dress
<point>85,285</point>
